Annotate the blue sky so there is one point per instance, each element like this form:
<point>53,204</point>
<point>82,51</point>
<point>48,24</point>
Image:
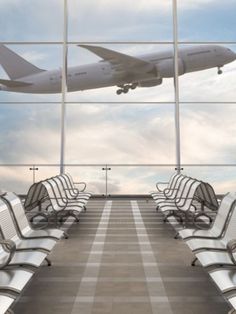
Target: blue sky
<point>119,133</point>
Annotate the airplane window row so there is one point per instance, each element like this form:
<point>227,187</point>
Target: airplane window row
<point>198,53</point>
<point>69,75</point>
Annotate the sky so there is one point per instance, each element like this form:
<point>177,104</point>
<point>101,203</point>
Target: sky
<point>102,132</point>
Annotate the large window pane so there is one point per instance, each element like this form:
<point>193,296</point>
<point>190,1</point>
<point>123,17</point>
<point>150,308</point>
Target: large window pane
<point>107,72</point>
<point>106,133</point>
<point>29,20</point>
<point>207,85</point>
<point>30,133</point>
<point>201,20</point>
<point>120,20</point>
<point>208,133</point>
<point>45,57</point>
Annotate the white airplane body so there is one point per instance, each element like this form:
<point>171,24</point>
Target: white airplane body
<point>115,69</point>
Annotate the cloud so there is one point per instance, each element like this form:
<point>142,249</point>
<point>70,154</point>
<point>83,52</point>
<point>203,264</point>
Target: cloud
<point>206,85</point>
<point>206,137</point>
<point>140,5</point>
<point>34,56</point>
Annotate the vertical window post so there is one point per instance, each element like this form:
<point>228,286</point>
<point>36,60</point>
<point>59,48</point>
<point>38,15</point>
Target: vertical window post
<point>176,84</point>
<point>64,87</point>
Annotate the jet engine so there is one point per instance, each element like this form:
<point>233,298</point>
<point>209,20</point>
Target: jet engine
<point>150,83</point>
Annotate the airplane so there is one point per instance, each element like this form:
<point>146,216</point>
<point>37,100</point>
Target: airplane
<point>115,69</point>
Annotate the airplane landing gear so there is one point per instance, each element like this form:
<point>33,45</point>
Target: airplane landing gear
<point>125,88</point>
<point>219,71</point>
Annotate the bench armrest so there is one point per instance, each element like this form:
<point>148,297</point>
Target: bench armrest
<point>44,216</point>
<point>167,190</point>
<point>9,247</point>
<point>178,199</point>
<point>83,183</point>
<point>160,183</point>
<point>231,248</point>
<point>74,190</point>
<point>60,198</point>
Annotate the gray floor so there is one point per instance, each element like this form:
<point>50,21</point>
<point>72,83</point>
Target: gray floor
<point>121,258</point>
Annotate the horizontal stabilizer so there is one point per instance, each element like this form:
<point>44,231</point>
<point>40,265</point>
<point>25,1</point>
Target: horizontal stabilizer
<point>12,84</point>
<point>115,57</point>
<point>15,66</point>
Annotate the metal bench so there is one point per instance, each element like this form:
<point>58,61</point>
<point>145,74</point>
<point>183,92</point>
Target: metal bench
<point>225,280</point>
<point>218,226</point>
<point>182,205</point>
<point>6,302</point>
<point>217,251</point>
<point>33,204</point>
<point>171,192</point>
<point>60,192</point>
<point>72,193</point>
<point>57,206</point>
<point>26,252</point>
<point>23,227</point>
<point>56,197</point>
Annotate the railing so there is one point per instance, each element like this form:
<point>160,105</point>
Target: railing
<point>115,179</point>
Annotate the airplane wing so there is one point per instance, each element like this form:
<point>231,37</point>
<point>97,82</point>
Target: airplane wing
<point>116,58</point>
<point>10,83</point>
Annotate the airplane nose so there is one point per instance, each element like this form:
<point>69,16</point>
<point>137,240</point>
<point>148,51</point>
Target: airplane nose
<point>232,55</point>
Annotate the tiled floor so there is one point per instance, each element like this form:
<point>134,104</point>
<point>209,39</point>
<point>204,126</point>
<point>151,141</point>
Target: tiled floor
<point>121,258</point>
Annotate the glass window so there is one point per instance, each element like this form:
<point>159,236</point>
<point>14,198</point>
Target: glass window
<point>120,20</point>
<point>208,133</point>
<point>150,88</point>
<point>121,133</point>
<point>45,57</point>
<point>31,20</point>
<point>206,85</point>
<point>30,133</point>
<point>201,20</point>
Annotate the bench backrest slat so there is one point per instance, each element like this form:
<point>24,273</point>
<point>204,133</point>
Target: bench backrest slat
<point>7,225</point>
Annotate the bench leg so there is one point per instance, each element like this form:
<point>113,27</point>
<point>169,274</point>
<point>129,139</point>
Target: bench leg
<point>174,214</point>
<point>74,215</point>
<point>48,261</point>
<point>65,235</point>
<point>176,235</point>
<point>59,216</point>
<point>62,218</point>
<point>233,311</point>
<point>167,216</point>
<point>201,215</point>
<point>194,261</point>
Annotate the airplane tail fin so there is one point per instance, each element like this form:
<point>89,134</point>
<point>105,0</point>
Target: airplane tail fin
<point>15,66</point>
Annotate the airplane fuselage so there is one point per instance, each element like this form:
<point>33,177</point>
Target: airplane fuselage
<point>104,74</point>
